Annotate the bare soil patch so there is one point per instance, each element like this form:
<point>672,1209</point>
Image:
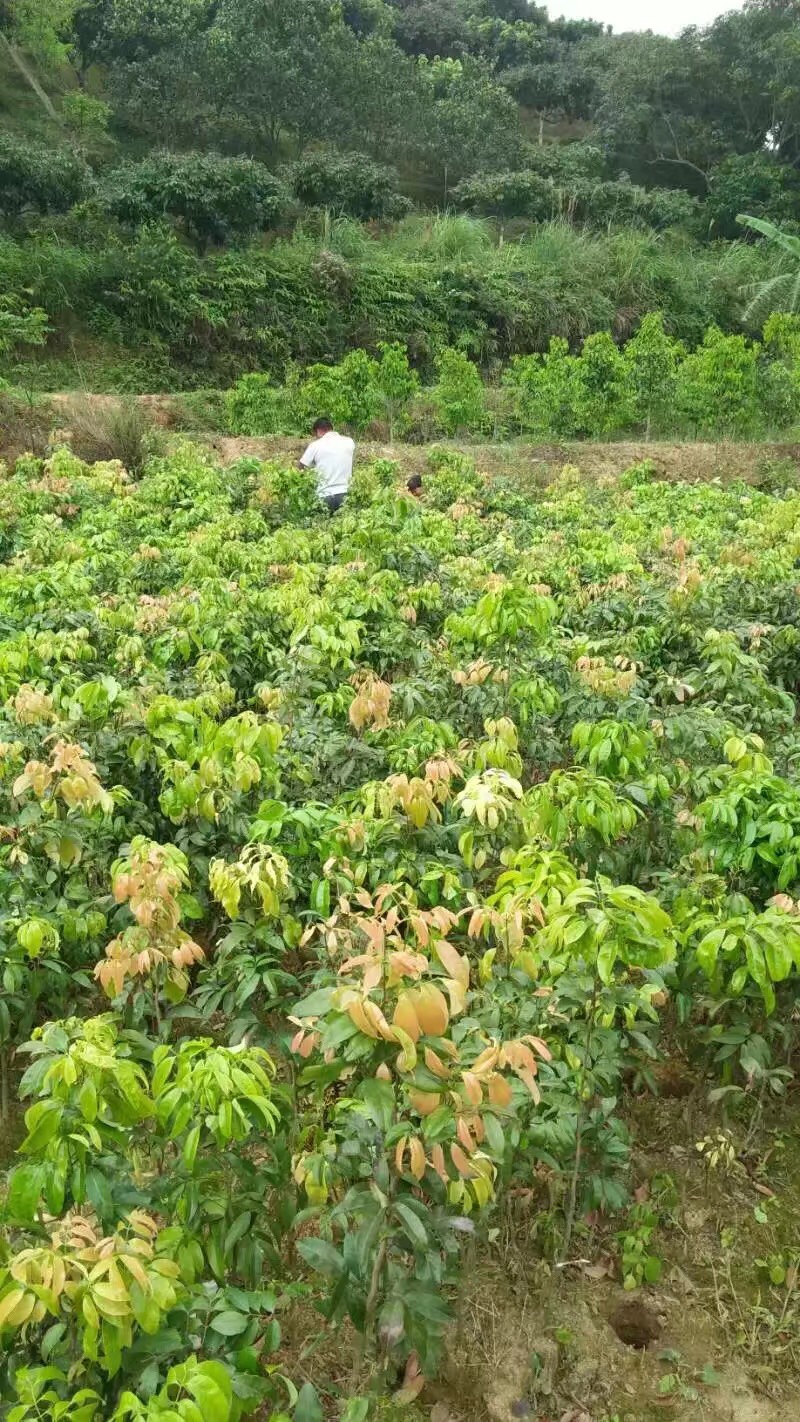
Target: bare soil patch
<point>698,462</point>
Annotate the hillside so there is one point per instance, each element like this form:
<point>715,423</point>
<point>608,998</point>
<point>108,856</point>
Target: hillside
<point>181,219</point>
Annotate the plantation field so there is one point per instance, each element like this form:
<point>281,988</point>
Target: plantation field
<point>400,936</point>
<point>103,426</point>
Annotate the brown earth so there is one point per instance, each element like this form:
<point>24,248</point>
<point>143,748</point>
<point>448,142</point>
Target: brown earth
<point>699,462</point>
<point>694,462</point>
<point>717,1343</point>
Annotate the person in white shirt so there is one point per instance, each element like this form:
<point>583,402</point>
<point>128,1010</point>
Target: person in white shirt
<point>331,455</point>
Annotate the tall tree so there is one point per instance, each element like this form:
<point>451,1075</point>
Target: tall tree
<point>647,106</point>
<point>248,73</point>
<point>280,65</point>
<point>679,106</point>
<point>756,54</point>
<point>124,31</point>
<point>465,121</point>
<point>435,28</point>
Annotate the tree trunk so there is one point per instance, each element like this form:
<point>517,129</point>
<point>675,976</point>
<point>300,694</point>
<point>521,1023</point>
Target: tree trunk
<point>30,79</point>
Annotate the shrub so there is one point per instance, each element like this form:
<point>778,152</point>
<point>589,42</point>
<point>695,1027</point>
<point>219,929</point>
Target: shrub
<point>543,392</point>
<point>718,386</point>
<point>39,178</point>
<point>155,288</point>
<point>203,410</point>
<point>523,194</point>
<point>396,382</point>
<point>601,203</point>
<point>652,359</point>
<point>347,392</point>
<point>782,336</point>
<point>601,398</point>
<point>754,183</point>
<point>20,325</point>
<point>372,481</point>
<point>286,494</point>
<point>779,383</point>
<point>562,395</point>
<point>453,477</point>
<point>214,198</point>
<point>458,394</point>
<point>567,163</point>
<point>579,198</point>
<point>86,115</point>
<point>254,407</point>
<point>349,183</point>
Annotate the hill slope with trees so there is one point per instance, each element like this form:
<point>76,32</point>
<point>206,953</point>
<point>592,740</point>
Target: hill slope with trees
<point>193,188</point>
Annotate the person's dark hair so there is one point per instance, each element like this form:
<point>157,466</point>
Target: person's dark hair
<point>414,483</point>
<point>323,425</point>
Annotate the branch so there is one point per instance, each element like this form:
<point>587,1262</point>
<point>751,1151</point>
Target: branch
<point>685,162</point>
<point>681,163</point>
<point>30,79</point>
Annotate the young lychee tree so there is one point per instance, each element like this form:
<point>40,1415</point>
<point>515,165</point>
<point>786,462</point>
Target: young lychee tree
<point>411,1149</point>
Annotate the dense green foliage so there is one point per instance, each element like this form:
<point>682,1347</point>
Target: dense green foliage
<point>271,127</point>
<point>166,315</point>
<point>578,195</point>
<point>727,387</point>
<point>393,844</point>
<point>213,198</point>
<point>348,183</point>
<point>37,179</point>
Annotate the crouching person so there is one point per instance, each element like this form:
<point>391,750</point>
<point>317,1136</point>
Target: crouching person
<point>331,455</point>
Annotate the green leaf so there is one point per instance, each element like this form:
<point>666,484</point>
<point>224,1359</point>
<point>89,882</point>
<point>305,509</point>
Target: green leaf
<point>652,1269</point>
<point>272,1336</point>
<point>380,1101</point>
<point>87,1100</point>
<point>411,1224</point>
<point>24,1191</point>
<point>708,949</point>
<point>321,1256</point>
<point>229,1323</point>
<point>237,1230</point>
<point>778,959</point>
<point>356,1410</point>
<point>42,1121</point>
<point>315,1005</point>
<point>606,958</point>
<point>98,1192</point>
<point>308,1407</point>
<point>212,1398</point>
<point>189,1152</point>
<point>495,1139</point>
<point>248,1360</point>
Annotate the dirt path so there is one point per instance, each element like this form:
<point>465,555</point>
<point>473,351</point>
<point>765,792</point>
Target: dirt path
<point>694,461</point>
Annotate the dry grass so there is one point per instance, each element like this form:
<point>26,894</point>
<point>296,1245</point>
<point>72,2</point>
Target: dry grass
<point>123,430</point>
